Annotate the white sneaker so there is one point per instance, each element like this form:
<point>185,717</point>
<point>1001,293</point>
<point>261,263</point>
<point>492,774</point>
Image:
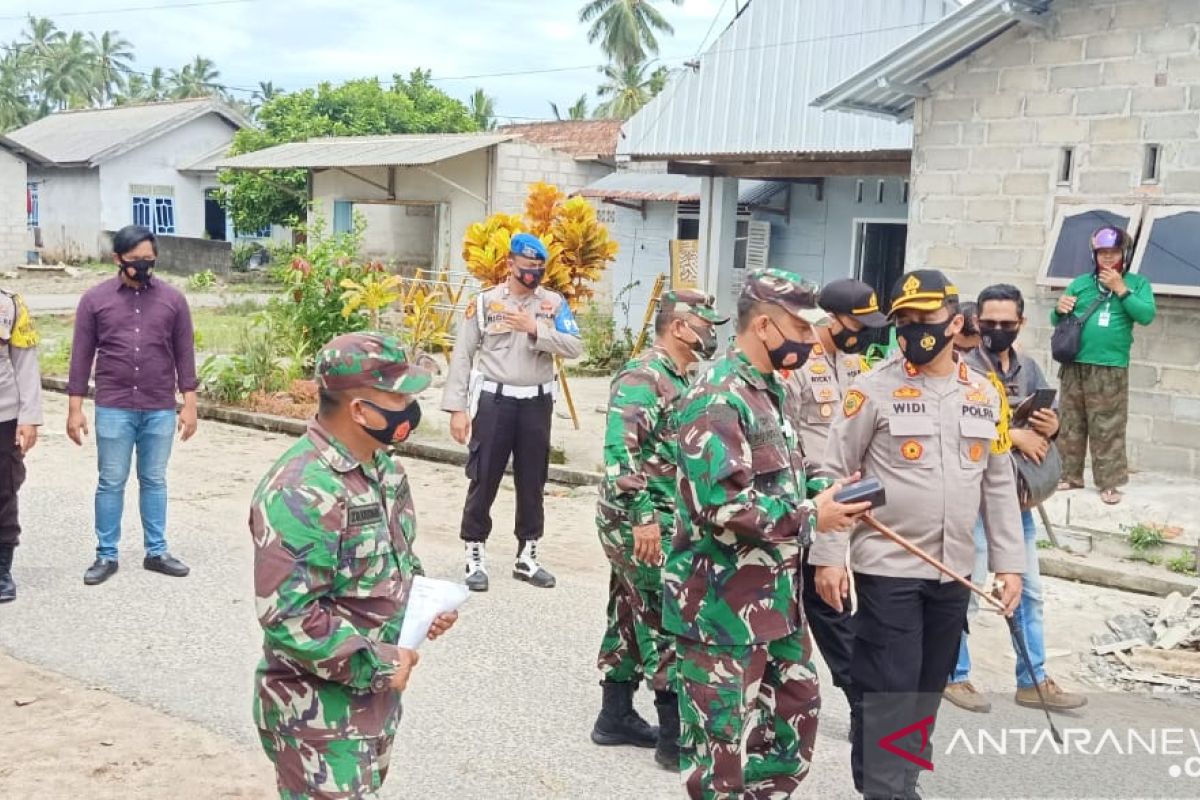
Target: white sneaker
<point>528,570</point>
<point>477,577</point>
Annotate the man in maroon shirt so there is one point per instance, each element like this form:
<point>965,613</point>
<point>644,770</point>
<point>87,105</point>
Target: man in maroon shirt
<point>138,332</point>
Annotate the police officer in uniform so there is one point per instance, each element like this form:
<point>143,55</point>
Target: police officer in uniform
<point>509,339</point>
<point>20,416</point>
<point>333,528</point>
<point>635,518</point>
<point>836,361</point>
<point>926,426</point>
<point>748,695</point>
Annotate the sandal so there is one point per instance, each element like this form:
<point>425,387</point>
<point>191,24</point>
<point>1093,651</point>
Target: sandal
<point>1110,496</point>
<point>1066,486</point>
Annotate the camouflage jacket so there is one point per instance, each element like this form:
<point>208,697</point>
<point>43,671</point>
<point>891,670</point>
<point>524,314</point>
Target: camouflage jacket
<point>333,566</point>
<point>733,574</point>
<point>639,441</point>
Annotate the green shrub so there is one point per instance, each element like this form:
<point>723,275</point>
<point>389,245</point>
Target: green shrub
<point>256,366</point>
<point>1143,537</point>
<point>202,281</point>
<point>56,360</point>
<point>1184,564</point>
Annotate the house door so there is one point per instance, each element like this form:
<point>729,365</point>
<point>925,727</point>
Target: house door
<point>879,256</point>
<point>214,216</point>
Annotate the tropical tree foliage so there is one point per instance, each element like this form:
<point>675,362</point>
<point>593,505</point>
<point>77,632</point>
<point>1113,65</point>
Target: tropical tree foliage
<point>483,110</point>
<point>578,110</point>
<point>625,29</point>
<point>48,69</point>
<point>627,88</point>
<point>355,108</point>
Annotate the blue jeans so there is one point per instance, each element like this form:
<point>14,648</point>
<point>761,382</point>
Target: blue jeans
<point>119,432</point>
<point>1028,615</point>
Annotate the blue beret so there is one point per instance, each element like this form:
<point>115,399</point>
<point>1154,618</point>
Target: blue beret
<point>528,246</point>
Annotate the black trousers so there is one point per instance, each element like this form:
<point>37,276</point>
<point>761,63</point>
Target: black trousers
<point>907,632</point>
<point>832,630</point>
<point>12,475</point>
<point>503,427</point>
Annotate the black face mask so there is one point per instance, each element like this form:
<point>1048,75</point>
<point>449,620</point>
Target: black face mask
<point>924,341</point>
<point>855,342</point>
<point>530,277</point>
<point>705,345</point>
<point>141,270</point>
<point>789,355</point>
<point>398,426</point>
<point>999,340</point>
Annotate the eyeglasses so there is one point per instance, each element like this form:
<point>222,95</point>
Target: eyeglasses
<point>993,325</point>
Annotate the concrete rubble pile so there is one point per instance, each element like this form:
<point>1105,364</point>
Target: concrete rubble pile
<point>1158,649</point>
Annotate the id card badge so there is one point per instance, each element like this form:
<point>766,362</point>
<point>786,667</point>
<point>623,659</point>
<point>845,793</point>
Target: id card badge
<point>1104,317</point>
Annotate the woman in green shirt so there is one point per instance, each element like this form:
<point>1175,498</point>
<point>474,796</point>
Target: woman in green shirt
<point>1094,392</point>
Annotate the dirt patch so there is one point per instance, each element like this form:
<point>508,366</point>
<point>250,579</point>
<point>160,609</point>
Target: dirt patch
<point>74,741</point>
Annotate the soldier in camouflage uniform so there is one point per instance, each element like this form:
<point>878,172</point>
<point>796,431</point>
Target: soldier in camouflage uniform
<point>333,527</point>
<point>748,687</point>
<point>635,519</point>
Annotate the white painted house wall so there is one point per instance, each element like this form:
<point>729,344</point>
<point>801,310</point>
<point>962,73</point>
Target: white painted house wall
<point>157,163</point>
<point>15,239</point>
<point>69,200</point>
<point>644,254</point>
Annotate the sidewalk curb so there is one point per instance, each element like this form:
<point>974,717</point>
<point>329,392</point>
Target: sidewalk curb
<point>296,427</point>
<point>1075,568</point>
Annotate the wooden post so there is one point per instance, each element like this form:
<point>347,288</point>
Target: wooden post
<point>1049,528</point>
<point>561,370</point>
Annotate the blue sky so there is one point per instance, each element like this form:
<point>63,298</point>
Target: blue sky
<point>298,43</point>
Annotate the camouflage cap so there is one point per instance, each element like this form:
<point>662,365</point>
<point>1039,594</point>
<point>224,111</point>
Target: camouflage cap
<point>692,301</point>
<point>368,360</point>
<point>788,291</point>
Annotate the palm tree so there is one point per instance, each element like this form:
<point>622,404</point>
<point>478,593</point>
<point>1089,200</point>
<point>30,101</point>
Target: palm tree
<point>625,28</point>
<point>41,35</point>
<point>482,109</point>
<point>113,60</point>
<point>15,106</point>
<point>197,79</point>
<point>136,90</point>
<point>627,88</point>
<point>267,91</point>
<point>67,77</point>
<point>577,111</point>
<point>157,85</point>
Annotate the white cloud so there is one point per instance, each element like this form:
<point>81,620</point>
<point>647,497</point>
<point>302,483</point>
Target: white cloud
<point>299,43</point>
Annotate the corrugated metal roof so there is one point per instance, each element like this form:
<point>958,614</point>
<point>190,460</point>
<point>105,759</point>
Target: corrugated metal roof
<point>663,186</point>
<point>889,85</point>
<point>89,137</point>
<point>582,138</point>
<point>408,150</point>
<point>667,187</point>
<point>751,92</point>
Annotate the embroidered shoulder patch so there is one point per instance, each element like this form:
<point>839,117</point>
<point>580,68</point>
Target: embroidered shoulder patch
<point>853,402</point>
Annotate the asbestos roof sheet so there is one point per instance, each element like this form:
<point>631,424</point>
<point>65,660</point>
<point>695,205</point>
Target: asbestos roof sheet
<point>891,84</point>
<point>410,150</point>
<point>89,137</point>
<point>750,92</point>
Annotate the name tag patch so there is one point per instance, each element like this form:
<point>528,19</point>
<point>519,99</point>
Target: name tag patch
<point>360,516</point>
<point>910,407</point>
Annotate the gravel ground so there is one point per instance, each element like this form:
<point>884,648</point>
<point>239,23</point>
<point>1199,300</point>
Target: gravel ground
<point>501,708</point>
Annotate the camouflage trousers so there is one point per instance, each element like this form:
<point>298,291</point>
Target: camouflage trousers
<point>327,769</point>
<point>1094,406</point>
<point>634,647</point>
<point>748,717</point>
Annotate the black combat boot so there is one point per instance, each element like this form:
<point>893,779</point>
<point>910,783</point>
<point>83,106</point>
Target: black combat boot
<point>618,722</point>
<point>8,587</point>
<point>667,752</point>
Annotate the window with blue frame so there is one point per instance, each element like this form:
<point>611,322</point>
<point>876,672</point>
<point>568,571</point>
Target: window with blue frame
<point>32,205</point>
<point>154,207</point>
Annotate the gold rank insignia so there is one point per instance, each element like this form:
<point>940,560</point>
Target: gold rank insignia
<point>976,452</point>
<point>818,369</point>
<point>853,402</point>
<point>826,411</point>
<point>826,394</point>
<point>910,370</point>
<point>912,450</point>
<point>911,285</point>
<point>907,393</point>
<point>470,311</point>
<point>496,306</point>
<point>818,350</point>
<point>977,395</point>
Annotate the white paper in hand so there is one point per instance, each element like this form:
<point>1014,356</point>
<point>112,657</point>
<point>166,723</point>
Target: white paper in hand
<point>428,598</point>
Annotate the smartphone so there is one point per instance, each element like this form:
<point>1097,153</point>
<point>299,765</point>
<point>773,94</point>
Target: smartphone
<point>867,490</point>
<point>1043,399</point>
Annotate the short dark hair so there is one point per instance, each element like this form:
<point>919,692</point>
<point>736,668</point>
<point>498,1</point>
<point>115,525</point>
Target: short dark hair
<point>662,320</point>
<point>970,313</point>
<point>131,236</point>
<point>1002,292</point>
<point>328,402</point>
<point>747,309</point>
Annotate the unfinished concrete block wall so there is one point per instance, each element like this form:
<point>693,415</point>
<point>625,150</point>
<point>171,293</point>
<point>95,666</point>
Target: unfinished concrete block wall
<point>1107,79</point>
<point>520,164</point>
<point>15,238</point>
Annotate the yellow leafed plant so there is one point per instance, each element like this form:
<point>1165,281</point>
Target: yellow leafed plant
<point>429,303</point>
<point>579,245</point>
<point>375,292</point>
